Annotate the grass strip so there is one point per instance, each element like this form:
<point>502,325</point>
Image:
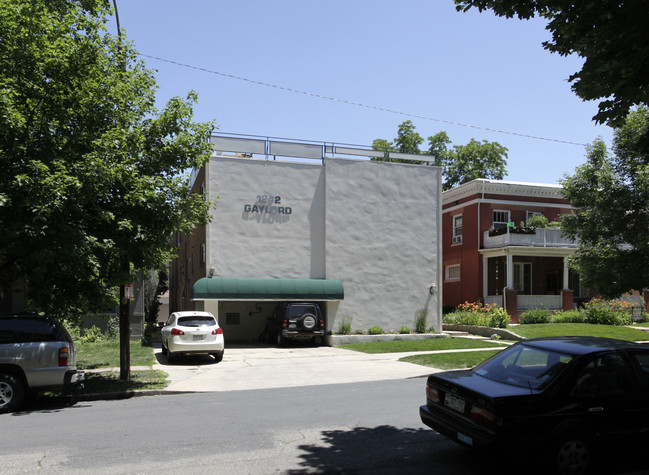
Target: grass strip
<point>536,330</point>
<point>431,344</point>
<point>447,361</point>
<point>139,380</point>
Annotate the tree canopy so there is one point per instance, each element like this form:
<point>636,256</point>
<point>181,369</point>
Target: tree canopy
<point>611,36</point>
<point>611,195</point>
<point>460,164</point>
<point>92,171</point>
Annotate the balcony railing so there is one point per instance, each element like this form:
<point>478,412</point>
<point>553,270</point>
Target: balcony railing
<point>542,237</point>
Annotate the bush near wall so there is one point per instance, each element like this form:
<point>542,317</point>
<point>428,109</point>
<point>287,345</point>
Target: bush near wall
<point>595,311</point>
<point>477,314</point>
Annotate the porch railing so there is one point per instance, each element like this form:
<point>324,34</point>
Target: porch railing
<point>542,237</point>
<point>525,302</point>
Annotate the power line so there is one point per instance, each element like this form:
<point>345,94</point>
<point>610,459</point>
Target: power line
<point>358,104</point>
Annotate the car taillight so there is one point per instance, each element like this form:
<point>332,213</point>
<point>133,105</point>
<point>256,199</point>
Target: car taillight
<point>485,417</point>
<point>285,323</point>
<point>218,331</point>
<point>64,356</point>
<point>432,395</point>
<point>176,331</point>
<point>322,324</point>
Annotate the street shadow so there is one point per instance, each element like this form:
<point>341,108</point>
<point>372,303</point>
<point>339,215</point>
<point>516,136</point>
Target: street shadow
<point>386,450</point>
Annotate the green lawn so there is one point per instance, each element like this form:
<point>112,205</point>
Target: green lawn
<point>537,330</point>
<point>105,354</point>
<point>468,359</point>
<point>431,344</point>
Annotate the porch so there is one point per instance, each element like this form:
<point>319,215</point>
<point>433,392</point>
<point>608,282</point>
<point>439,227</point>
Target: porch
<point>525,271</point>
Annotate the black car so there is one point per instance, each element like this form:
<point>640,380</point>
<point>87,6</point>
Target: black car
<point>300,321</point>
<point>564,398</point>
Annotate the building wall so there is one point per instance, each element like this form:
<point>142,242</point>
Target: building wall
<point>383,240</point>
<point>375,226</point>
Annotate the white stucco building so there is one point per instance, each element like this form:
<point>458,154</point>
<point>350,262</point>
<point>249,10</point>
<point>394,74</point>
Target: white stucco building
<point>312,222</point>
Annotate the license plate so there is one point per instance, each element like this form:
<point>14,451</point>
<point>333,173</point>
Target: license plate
<point>198,337</point>
<point>454,402</point>
<point>292,325</point>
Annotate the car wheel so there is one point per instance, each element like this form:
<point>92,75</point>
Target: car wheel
<point>572,455</point>
<point>281,341</point>
<point>170,356</point>
<point>308,321</point>
<point>12,393</point>
<point>218,356</point>
<point>164,349</point>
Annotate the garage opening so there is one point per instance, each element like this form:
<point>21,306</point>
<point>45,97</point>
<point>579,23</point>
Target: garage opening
<point>243,305</point>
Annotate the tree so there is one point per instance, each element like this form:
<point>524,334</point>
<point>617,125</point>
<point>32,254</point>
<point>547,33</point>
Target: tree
<point>460,164</point>
<point>92,183</point>
<point>611,194</point>
<point>407,141</point>
<point>610,35</point>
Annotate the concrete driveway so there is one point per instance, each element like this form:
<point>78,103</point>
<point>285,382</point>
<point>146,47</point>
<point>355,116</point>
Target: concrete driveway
<point>257,366</point>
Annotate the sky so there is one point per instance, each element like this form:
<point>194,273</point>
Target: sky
<point>299,69</point>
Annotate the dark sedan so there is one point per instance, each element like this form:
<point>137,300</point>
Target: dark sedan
<point>563,397</point>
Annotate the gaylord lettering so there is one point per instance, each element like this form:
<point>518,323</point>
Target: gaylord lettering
<point>265,209</point>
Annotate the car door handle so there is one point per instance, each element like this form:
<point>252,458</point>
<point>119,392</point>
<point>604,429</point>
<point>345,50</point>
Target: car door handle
<point>596,409</point>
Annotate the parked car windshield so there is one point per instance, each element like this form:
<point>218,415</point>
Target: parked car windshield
<point>523,366</point>
<point>196,321</point>
<point>299,310</point>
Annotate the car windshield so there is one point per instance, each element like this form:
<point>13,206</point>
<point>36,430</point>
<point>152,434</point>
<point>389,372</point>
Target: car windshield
<point>196,321</point>
<point>524,366</point>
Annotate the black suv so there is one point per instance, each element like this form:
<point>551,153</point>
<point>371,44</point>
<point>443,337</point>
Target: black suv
<point>296,321</point>
<point>36,354</point>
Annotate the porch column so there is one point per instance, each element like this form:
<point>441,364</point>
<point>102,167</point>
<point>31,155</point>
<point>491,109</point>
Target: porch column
<point>567,295</point>
<point>510,271</point>
<point>510,294</point>
<point>565,274</point>
<point>485,277</point>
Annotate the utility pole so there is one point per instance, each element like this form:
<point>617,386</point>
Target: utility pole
<point>124,301</point>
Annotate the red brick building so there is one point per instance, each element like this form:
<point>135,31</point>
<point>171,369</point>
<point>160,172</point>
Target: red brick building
<point>490,256</point>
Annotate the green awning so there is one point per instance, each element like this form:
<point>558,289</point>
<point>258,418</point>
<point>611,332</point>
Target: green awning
<point>223,288</point>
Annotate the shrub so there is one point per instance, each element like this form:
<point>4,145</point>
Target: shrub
<point>92,335</point>
<point>345,325</point>
<point>607,312</point>
<point>537,221</point>
<point>478,315</point>
<point>404,330</point>
<point>375,331</point>
<point>535,315</point>
<point>420,320</point>
<point>73,330</point>
<point>112,328</point>
<point>570,316</point>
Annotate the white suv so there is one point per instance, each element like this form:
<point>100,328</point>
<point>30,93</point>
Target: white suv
<point>192,333</point>
<point>36,354</point>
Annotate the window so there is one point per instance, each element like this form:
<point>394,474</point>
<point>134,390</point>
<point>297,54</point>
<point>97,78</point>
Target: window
<point>500,218</point>
<point>453,272</point>
<point>457,229</point>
